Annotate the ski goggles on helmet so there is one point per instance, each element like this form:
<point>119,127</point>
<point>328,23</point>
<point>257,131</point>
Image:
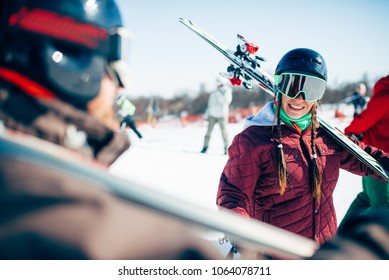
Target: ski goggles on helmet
<point>292,85</point>
<point>112,44</point>
<point>117,49</point>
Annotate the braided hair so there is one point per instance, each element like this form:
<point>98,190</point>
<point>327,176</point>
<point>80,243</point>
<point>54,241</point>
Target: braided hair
<point>316,178</point>
<point>280,157</point>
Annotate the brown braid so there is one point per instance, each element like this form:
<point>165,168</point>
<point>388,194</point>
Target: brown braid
<point>281,163</point>
<point>316,178</point>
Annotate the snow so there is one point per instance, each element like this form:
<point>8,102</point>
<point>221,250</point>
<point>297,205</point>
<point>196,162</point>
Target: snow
<point>168,159</point>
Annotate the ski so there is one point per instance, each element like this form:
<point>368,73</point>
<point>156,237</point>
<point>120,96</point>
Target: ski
<point>251,234</point>
<point>245,68</point>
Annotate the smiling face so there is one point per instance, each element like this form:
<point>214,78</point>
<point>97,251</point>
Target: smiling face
<point>297,107</point>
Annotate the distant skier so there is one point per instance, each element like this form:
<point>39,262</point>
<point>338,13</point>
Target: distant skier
<point>359,99</point>
<point>126,112</point>
<point>283,168</point>
<point>218,112</point>
<point>153,111</point>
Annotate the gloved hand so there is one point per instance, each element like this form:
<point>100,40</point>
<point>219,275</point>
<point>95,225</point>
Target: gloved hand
<point>236,252</point>
<point>358,137</point>
<point>234,248</point>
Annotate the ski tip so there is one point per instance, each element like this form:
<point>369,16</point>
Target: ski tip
<point>185,21</point>
<point>241,37</point>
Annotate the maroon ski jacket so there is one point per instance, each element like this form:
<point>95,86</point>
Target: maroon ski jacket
<point>248,184</point>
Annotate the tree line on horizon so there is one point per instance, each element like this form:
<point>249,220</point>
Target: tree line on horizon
<point>242,98</point>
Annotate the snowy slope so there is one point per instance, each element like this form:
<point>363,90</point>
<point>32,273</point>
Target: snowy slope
<point>168,159</point>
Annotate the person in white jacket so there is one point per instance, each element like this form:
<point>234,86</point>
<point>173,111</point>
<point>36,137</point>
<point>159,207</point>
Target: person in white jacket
<point>217,113</point>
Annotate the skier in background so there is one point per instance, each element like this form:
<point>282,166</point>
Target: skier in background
<point>126,112</point>
<point>372,126</point>
<point>153,111</point>
<point>359,99</point>
<point>217,112</point>
<point>283,168</point>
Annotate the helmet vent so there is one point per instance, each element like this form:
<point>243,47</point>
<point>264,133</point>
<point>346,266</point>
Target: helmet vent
<point>316,61</point>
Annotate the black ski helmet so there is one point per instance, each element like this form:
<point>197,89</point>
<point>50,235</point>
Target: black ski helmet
<point>64,46</point>
<point>303,61</point>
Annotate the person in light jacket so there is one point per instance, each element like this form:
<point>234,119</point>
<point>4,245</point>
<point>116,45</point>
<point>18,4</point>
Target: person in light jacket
<point>217,113</point>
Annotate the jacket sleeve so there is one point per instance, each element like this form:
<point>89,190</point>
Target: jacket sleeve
<point>239,177</point>
<point>228,95</point>
<point>352,164</point>
<point>375,110</point>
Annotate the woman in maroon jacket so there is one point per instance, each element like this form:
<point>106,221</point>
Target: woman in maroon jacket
<point>283,168</point>
<point>373,125</point>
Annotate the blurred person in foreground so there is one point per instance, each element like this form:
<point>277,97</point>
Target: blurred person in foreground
<point>363,236</point>
<point>372,126</point>
<point>61,65</point>
<point>217,112</point>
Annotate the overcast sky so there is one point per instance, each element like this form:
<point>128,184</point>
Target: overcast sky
<point>168,59</point>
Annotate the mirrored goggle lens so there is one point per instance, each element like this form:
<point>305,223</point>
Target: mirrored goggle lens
<point>117,46</point>
<point>291,85</point>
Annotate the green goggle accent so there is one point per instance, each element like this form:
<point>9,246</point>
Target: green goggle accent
<point>302,122</point>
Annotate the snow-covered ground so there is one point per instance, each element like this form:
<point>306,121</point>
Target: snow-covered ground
<point>168,159</point>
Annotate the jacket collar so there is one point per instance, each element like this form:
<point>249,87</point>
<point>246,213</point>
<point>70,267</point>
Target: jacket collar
<point>264,117</point>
